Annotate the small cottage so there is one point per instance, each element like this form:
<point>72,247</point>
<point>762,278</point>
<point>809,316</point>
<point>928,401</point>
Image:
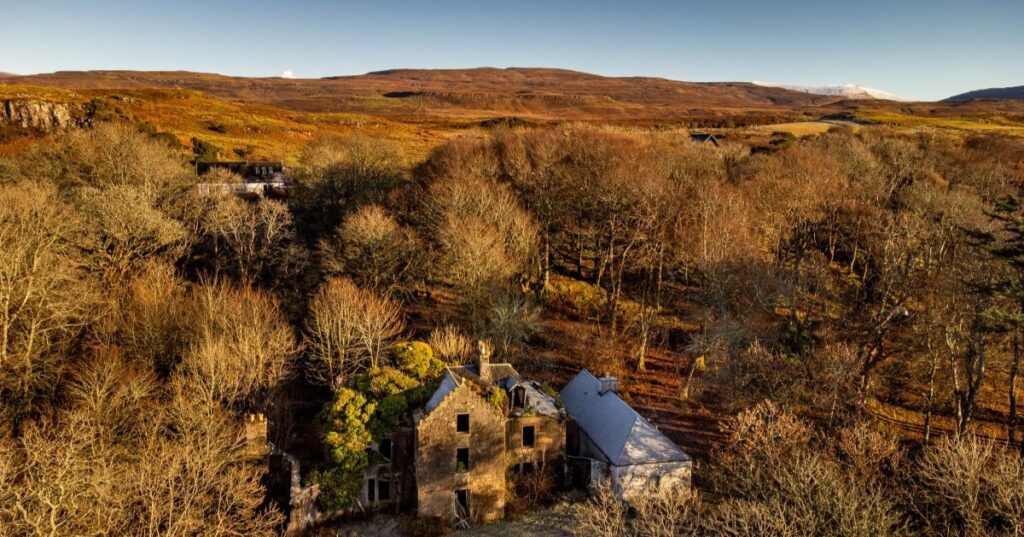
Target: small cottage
<point>259,178</point>
<point>609,442</point>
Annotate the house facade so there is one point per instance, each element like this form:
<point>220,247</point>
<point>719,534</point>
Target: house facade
<point>482,422</point>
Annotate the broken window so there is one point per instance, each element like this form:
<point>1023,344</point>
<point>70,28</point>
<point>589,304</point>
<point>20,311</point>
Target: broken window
<point>462,423</point>
<point>384,448</point>
<point>383,490</point>
<point>462,460</point>
<point>461,504</point>
<point>528,436</point>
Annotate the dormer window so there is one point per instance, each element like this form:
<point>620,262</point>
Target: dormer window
<point>518,397</point>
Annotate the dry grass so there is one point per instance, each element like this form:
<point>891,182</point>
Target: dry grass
<point>263,130</point>
<point>994,123</point>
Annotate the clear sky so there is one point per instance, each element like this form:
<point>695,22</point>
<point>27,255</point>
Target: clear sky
<point>915,48</point>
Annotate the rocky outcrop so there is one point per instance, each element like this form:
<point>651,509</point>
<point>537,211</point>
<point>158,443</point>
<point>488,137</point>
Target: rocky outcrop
<point>39,115</point>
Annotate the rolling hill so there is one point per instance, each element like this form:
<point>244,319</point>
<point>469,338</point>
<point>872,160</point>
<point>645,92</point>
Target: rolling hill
<point>460,93</point>
<point>1016,92</point>
<point>275,117</point>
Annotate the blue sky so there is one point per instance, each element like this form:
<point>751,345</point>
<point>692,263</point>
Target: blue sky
<point>918,49</point>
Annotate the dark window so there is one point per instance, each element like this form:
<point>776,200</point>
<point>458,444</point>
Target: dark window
<point>384,492</point>
<point>526,468</point>
<point>371,490</point>
<point>462,459</point>
<point>462,423</point>
<point>518,397</point>
<point>528,436</point>
<point>385,448</point>
<point>461,504</point>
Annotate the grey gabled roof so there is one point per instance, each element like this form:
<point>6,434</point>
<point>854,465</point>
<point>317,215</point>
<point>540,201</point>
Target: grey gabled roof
<point>453,377</point>
<point>448,384</point>
<point>536,399</point>
<point>623,435</point>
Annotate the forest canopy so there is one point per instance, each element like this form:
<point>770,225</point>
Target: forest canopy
<point>856,293</point>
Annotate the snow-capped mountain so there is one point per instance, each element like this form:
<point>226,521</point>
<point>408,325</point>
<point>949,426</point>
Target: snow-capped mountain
<point>850,91</point>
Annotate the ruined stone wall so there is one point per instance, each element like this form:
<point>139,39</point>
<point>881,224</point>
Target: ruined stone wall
<point>549,439</point>
<point>631,482</point>
<point>436,445</point>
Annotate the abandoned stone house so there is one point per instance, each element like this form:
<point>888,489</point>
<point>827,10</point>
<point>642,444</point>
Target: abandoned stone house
<point>609,442</point>
<point>482,421</point>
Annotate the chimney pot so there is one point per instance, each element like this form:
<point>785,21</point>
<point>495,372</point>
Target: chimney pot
<point>607,384</point>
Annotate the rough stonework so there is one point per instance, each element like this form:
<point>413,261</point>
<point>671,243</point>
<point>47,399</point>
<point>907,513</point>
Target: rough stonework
<point>438,473</point>
<point>38,115</point>
<point>549,440</point>
<point>255,432</point>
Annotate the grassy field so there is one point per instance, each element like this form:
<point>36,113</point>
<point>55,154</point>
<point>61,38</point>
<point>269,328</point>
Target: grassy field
<point>994,123</point>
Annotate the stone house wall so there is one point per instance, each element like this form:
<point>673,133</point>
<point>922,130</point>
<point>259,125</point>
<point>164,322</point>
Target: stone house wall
<point>437,440</point>
<point>633,481</point>
<point>549,439</point>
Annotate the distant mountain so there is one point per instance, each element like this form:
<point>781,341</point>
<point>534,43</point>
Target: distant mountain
<point>847,91</point>
<point>990,93</point>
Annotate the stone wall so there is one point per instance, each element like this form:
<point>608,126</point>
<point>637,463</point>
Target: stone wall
<point>630,482</point>
<point>549,439</point>
<point>437,440</point>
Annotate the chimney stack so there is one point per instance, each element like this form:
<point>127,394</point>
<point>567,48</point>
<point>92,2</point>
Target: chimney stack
<point>607,384</point>
<point>483,361</point>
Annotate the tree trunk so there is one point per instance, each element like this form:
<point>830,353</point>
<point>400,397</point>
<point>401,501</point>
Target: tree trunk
<point>974,365</point>
<point>1011,422</point>
<point>546,268</point>
<point>930,401</point>
<point>579,256</point>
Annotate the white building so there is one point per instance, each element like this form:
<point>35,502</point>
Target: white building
<point>609,441</point>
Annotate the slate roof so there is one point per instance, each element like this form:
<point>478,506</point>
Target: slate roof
<point>623,435</point>
<point>453,377</point>
<point>536,399</point>
<point>448,384</point>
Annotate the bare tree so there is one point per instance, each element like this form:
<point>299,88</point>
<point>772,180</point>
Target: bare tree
<point>252,240</point>
<point>126,230</point>
<point>45,297</point>
<point>347,331</point>
<point>243,346</point>
<point>969,486</point>
<point>374,250</point>
<point>603,515</point>
<point>339,175</point>
<point>450,344</point>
